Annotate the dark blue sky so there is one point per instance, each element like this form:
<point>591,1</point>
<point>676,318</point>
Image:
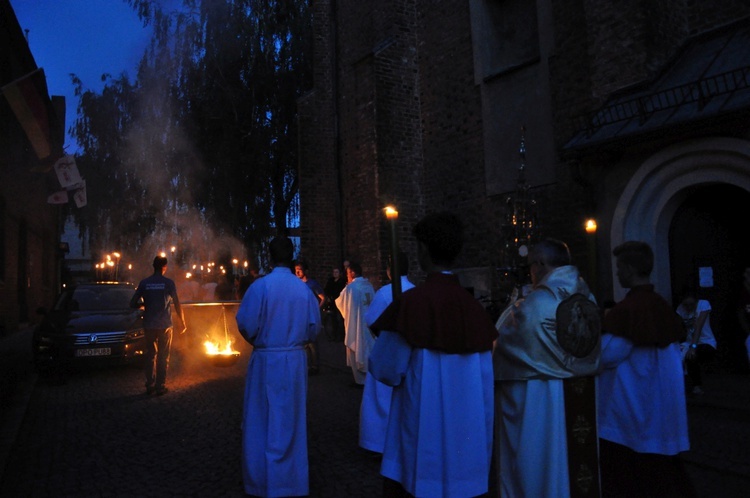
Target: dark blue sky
<point>84,37</point>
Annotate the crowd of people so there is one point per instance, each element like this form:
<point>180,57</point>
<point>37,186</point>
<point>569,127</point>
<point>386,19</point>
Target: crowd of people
<point>560,397</point>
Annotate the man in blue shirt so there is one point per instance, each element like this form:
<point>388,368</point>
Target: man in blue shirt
<point>156,294</point>
<point>301,269</point>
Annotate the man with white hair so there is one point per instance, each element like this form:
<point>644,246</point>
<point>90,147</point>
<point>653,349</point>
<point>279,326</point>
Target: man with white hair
<point>548,340</point>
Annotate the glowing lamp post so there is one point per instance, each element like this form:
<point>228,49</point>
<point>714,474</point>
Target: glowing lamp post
<point>392,216</point>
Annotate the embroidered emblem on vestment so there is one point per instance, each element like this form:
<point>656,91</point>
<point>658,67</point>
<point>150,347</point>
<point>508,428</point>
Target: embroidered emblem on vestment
<point>578,325</point>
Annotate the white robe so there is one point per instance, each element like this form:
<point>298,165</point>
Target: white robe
<point>532,439</point>
<point>376,398</point>
<point>642,403</point>
<point>529,367</point>
<point>446,455</point>
<point>278,315</point>
<point>353,303</point>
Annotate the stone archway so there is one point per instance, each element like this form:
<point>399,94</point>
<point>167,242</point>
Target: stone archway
<point>708,246</point>
<point>648,202</point>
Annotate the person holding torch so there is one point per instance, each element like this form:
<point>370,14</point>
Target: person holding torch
<point>376,398</point>
<point>435,342</point>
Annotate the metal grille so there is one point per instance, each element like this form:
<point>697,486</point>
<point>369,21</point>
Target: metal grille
<point>101,338</point>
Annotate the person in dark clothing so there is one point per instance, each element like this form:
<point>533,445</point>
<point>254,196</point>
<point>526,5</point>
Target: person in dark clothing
<point>333,322</point>
<point>246,281</point>
<point>224,291</point>
<point>301,269</point>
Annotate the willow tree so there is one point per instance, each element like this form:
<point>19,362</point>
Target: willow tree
<point>205,138</point>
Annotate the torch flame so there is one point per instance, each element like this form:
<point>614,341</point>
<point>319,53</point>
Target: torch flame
<point>391,213</point>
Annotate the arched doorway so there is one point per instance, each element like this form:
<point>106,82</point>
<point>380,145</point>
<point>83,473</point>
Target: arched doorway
<point>647,205</point>
<point>707,235</point>
<point>697,186</point>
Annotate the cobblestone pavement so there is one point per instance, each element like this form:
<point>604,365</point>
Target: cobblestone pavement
<point>96,433</point>
<point>719,421</point>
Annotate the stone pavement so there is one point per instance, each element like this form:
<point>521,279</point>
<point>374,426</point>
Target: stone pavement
<point>95,432</point>
<point>719,420</point>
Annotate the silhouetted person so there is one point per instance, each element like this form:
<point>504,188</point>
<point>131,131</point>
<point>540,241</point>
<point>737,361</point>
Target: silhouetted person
<point>157,294</point>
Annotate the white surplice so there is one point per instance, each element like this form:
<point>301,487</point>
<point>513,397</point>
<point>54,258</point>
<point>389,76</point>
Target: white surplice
<point>376,398</point>
<point>448,452</point>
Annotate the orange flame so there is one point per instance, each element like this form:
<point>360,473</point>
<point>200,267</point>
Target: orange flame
<point>214,348</point>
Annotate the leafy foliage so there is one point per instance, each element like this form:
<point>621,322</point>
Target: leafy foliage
<point>201,148</point>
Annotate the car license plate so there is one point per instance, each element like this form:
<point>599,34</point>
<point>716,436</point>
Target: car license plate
<point>94,352</point>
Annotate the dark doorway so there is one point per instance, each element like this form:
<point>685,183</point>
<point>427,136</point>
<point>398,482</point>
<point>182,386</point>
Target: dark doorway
<point>709,231</point>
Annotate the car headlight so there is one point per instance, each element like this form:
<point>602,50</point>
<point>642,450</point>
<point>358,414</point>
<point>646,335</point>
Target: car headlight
<point>134,334</point>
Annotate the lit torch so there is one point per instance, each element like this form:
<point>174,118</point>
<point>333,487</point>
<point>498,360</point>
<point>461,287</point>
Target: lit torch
<point>392,215</point>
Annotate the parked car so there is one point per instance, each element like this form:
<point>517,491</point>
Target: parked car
<point>90,322</point>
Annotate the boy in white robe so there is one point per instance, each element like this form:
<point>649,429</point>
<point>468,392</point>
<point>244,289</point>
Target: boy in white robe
<point>278,316</point>
<point>376,398</point>
<point>435,344</point>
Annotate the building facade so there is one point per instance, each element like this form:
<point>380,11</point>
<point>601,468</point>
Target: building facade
<point>29,226</point>
<point>634,114</point>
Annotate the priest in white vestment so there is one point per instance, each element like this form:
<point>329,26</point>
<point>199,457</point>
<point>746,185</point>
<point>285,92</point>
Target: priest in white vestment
<point>533,354</point>
<point>353,303</point>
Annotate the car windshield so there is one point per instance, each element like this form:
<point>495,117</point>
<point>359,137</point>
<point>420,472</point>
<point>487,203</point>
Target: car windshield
<point>98,298</point>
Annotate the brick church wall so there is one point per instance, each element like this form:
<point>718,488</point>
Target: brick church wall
<point>396,116</point>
